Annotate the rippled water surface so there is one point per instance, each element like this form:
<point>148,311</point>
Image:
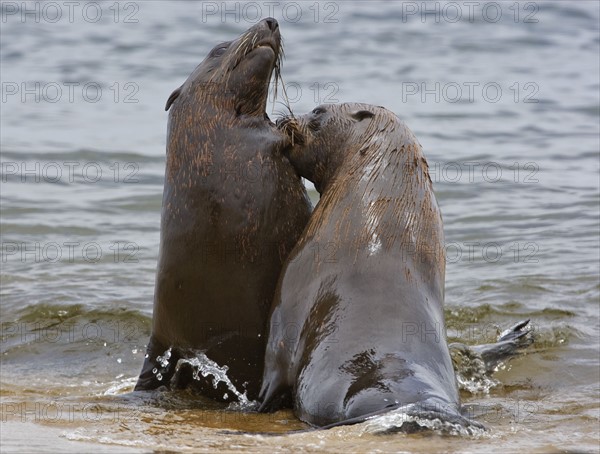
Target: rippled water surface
<point>506,108</point>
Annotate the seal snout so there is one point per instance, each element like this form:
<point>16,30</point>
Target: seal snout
<point>291,128</point>
<point>266,35</point>
<point>271,23</point>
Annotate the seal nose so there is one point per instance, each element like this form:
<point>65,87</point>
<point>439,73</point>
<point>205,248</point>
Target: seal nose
<point>272,24</point>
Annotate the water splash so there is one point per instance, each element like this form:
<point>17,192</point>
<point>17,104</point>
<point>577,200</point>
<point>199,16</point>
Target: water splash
<point>471,371</point>
<point>164,359</point>
<point>401,420</point>
<point>121,387</point>
<point>203,366</point>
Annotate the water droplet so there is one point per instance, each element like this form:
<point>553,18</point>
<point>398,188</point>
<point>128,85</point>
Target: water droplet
<point>155,370</point>
<point>204,366</point>
<point>119,360</point>
<point>164,360</point>
<point>159,376</point>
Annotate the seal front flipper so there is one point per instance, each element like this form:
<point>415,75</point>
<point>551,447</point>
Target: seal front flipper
<point>159,366</point>
<point>419,417</point>
<point>274,395</point>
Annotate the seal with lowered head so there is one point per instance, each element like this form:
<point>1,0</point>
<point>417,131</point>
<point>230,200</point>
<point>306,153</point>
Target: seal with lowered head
<point>233,208</point>
<point>357,324</point>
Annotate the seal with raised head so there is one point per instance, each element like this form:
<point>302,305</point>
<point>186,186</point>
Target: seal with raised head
<point>357,324</point>
<point>233,208</point>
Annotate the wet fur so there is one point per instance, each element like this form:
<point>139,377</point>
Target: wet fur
<point>232,210</point>
<point>346,357</point>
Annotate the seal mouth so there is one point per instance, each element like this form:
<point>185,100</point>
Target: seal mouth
<point>245,50</point>
<point>292,128</point>
<point>265,44</point>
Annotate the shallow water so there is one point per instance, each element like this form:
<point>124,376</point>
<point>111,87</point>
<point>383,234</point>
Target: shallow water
<point>506,108</point>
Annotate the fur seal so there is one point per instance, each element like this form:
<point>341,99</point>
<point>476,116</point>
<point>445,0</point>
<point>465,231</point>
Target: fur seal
<point>233,208</point>
<point>357,324</point>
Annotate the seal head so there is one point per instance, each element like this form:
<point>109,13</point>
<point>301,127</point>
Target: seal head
<point>235,74</point>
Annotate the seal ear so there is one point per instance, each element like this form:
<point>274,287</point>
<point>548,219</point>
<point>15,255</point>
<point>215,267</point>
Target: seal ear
<point>172,98</point>
<point>360,115</point>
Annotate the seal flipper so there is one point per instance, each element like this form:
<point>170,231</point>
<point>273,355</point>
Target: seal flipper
<point>510,343</point>
<point>517,332</point>
<point>173,97</point>
<point>274,395</point>
<point>152,370</point>
<point>422,411</point>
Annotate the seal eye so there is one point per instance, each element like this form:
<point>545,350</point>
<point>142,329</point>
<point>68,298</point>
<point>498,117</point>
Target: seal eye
<point>318,111</point>
<point>219,51</point>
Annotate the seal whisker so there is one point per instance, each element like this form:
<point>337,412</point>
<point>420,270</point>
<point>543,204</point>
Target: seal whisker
<point>293,129</point>
<point>282,113</point>
<point>286,102</point>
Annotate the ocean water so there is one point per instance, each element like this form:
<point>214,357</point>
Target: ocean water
<point>503,96</point>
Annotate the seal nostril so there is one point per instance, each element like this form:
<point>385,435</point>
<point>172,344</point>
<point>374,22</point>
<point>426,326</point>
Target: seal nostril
<point>272,24</point>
